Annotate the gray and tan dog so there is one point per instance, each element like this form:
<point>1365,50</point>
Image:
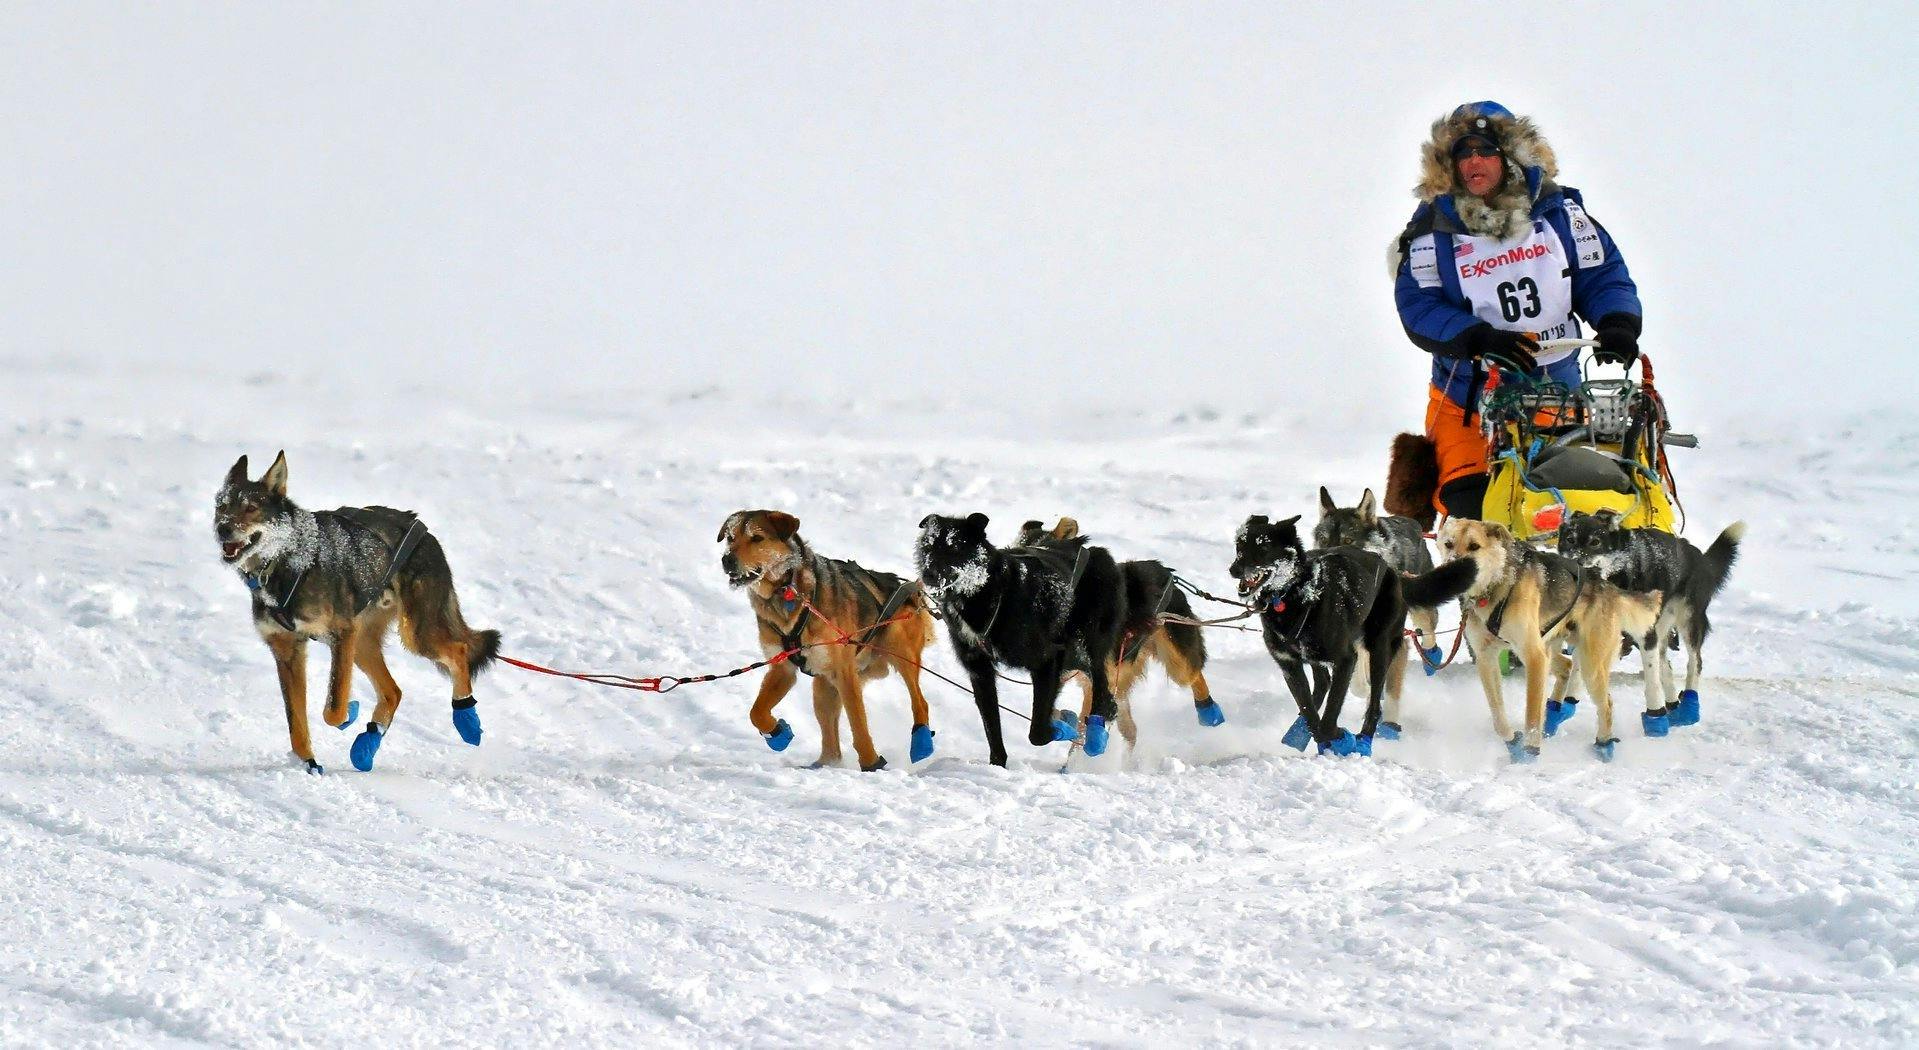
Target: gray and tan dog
<point>344,577</point>
<point>1526,600</point>
<point>804,601</point>
<point>1399,540</point>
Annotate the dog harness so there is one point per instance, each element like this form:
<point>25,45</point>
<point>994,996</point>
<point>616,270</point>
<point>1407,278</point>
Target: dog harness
<point>1528,556</point>
<point>280,607</point>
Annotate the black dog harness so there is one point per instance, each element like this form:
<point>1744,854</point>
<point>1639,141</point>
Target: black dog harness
<point>793,639</point>
<point>1499,611</point>
<point>280,607</point>
<point>1072,585</point>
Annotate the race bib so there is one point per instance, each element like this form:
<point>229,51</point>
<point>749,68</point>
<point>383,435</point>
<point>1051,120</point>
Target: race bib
<point>1520,285</point>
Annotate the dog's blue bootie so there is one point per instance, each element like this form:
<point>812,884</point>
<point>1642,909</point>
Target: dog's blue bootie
<point>1559,712</point>
<point>1363,746</point>
<point>365,746</point>
<point>1210,714</point>
<point>1604,749</point>
<point>1344,744</point>
<point>1520,752</point>
<point>352,716</point>
<point>1095,736</point>
<point>1065,727</point>
<point>1431,659</point>
<point>1686,711</point>
<point>781,736</point>
<point>1655,723</point>
<point>1299,735</point>
<point>1388,730</point>
<point>922,743</point>
<point>466,719</point>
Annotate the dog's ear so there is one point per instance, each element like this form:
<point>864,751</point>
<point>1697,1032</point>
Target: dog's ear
<point>238,475</point>
<point>1292,521</point>
<point>1066,529</point>
<point>1258,521</point>
<point>730,527</point>
<point>1326,504</point>
<point>781,524</point>
<point>1608,517</point>
<point>928,520</point>
<point>976,523</point>
<point>1367,507</point>
<point>275,479</point>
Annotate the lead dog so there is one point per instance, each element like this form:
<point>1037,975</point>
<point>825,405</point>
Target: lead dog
<point>1525,600</point>
<point>344,577</point>
<point>802,601</point>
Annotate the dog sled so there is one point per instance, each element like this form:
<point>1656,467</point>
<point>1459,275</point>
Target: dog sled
<point>1556,448</point>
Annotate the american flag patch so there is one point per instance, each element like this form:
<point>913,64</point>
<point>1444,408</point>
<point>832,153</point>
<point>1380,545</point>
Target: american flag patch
<point>1462,251</point>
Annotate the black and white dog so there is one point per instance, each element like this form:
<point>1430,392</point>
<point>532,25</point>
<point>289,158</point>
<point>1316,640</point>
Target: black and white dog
<point>1655,560</point>
<point>1048,610</point>
<point>1328,609</point>
<point>1394,537</point>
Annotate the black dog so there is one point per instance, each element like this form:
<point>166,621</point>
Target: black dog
<point>1654,560</point>
<point>1326,608</point>
<point>1049,610</point>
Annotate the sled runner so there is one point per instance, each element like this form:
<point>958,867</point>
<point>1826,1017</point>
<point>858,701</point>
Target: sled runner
<point>1556,448</point>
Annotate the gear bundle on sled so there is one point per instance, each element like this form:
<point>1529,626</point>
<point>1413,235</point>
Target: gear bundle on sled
<point>1555,448</point>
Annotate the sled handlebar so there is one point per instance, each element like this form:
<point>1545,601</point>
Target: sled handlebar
<point>1566,344</point>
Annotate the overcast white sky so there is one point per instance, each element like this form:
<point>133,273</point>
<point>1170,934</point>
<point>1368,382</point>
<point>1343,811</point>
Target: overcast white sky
<point>1187,201</point>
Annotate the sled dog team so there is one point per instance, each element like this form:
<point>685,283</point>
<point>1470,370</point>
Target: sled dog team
<point>1051,604</point>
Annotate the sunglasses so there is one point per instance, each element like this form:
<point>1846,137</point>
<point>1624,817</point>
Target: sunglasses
<point>1477,151</point>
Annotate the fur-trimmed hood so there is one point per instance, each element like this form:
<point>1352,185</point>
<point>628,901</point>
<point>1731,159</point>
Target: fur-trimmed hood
<point>1530,169</point>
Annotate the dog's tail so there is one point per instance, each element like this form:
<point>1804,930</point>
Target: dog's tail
<point>1436,588</point>
<point>1719,561</point>
<point>1148,583</point>
<point>1638,612</point>
<point>1412,479</point>
<point>431,622</point>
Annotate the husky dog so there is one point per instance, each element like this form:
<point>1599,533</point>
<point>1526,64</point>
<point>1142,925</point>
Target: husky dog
<point>1177,647</point>
<point>1526,600</point>
<point>1653,560</point>
<point>803,601</point>
<point>1331,608</point>
<point>1049,610</point>
<point>344,577</point>
<point>1394,537</point>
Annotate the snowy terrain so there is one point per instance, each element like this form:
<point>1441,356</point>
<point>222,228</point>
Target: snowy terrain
<point>613,868</point>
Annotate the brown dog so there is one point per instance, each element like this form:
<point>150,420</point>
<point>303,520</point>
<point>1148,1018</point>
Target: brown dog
<point>804,600</point>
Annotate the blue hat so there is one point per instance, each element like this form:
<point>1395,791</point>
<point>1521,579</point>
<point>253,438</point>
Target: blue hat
<point>1479,124</point>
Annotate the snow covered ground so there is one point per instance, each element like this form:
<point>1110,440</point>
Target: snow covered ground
<point>613,868</point>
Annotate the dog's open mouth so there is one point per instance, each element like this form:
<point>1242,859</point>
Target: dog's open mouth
<point>1249,584</point>
<point>230,550</point>
<point>742,577</point>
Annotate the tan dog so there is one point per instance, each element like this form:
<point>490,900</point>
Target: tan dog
<point>1525,600</point>
<point>802,599</point>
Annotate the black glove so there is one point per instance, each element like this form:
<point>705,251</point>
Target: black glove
<point>1618,345</point>
<point>1511,351</point>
